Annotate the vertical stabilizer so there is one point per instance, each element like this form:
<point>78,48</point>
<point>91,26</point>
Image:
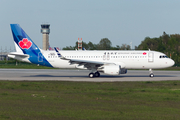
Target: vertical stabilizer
<point>25,45</point>
<point>22,41</point>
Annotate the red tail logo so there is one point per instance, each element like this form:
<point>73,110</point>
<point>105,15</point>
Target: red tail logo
<point>25,44</point>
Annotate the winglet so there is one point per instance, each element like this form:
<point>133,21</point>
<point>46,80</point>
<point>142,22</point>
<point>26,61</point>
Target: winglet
<point>84,49</point>
<point>59,55</point>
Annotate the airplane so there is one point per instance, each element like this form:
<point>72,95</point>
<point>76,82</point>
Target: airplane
<point>111,62</point>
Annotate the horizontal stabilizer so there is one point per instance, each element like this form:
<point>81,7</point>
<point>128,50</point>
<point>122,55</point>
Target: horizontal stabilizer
<point>20,55</point>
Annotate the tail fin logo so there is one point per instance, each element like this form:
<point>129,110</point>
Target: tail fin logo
<point>25,44</point>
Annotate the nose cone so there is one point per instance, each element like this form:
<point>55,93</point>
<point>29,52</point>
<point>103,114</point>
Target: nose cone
<point>171,62</point>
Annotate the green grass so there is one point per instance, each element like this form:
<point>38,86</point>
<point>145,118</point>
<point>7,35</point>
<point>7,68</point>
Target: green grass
<point>83,100</point>
<point>24,66</point>
<point>21,65</point>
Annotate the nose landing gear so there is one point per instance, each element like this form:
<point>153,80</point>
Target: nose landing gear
<point>151,75</point>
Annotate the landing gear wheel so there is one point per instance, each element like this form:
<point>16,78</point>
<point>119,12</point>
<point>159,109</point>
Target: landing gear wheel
<point>91,75</point>
<point>151,75</point>
<point>96,74</point>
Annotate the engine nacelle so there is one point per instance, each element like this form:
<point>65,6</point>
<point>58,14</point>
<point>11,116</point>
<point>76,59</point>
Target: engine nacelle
<point>111,69</point>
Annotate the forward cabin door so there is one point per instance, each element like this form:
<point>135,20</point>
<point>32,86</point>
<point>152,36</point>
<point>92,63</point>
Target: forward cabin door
<point>150,57</point>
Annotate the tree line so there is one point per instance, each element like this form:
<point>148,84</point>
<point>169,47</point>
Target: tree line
<point>104,44</point>
<point>168,44</point>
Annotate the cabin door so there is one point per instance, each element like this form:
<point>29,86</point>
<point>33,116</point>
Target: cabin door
<point>150,57</point>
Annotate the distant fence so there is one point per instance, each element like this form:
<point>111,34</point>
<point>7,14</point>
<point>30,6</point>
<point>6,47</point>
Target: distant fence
<point>4,52</point>
<point>4,56</point>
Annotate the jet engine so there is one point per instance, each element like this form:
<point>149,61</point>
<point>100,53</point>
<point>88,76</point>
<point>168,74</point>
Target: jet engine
<point>112,69</point>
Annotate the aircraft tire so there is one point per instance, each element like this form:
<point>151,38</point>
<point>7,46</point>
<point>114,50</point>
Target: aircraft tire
<point>151,75</point>
<point>97,74</point>
<point>91,75</point>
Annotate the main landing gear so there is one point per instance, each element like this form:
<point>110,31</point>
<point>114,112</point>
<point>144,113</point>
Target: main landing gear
<point>96,74</point>
<point>151,75</point>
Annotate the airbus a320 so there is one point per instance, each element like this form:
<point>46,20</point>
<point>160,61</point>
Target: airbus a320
<point>112,62</point>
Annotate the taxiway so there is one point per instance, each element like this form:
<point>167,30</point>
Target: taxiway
<point>82,75</point>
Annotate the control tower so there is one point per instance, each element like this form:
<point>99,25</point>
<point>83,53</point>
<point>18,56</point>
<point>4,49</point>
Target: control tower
<point>79,44</point>
<point>45,31</point>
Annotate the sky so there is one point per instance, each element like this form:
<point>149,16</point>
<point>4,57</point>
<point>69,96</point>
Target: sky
<point>121,21</point>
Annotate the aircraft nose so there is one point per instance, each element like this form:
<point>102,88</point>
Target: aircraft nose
<point>172,62</point>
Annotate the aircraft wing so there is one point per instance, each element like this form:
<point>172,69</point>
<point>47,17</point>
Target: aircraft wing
<point>76,61</point>
<point>87,63</point>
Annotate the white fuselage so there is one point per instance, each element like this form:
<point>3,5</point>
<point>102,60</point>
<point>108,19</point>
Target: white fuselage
<point>126,59</point>
<point>112,62</point>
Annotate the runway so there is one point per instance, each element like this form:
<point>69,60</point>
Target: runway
<point>82,75</point>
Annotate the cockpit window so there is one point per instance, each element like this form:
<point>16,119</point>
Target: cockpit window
<point>163,56</point>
